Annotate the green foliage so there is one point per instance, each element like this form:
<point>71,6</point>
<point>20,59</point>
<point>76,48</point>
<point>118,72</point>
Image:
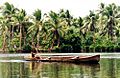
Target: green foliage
<point>72,40</point>
<point>37,15</point>
<point>66,48</point>
<point>98,31</point>
<point>0,42</point>
<point>27,48</point>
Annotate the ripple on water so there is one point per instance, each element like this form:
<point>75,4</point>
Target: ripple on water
<point>12,61</point>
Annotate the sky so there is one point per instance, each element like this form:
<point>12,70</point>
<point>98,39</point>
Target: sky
<point>76,7</point>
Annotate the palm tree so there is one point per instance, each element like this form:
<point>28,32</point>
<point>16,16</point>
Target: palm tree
<point>67,16</point>
<point>110,15</point>
<point>89,23</point>
<point>20,20</point>
<point>37,26</point>
<point>89,29</point>
<point>4,32</point>
<point>8,11</point>
<point>57,27</point>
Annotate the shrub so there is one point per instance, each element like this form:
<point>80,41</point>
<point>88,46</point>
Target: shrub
<point>66,48</point>
<point>27,48</point>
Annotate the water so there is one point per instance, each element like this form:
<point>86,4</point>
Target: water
<point>14,66</point>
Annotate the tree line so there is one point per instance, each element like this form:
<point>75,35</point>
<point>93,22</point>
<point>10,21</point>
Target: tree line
<point>99,31</point>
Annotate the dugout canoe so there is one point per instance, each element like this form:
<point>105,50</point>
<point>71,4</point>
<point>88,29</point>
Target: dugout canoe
<point>74,59</point>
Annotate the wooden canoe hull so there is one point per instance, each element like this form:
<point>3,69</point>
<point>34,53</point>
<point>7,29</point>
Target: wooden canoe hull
<point>74,59</point>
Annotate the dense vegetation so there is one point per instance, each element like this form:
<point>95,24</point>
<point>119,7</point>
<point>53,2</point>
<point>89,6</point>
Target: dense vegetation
<point>99,31</point>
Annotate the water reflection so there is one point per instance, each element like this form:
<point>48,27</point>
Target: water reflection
<point>18,68</point>
<point>110,68</point>
<point>47,70</point>
<point>63,70</point>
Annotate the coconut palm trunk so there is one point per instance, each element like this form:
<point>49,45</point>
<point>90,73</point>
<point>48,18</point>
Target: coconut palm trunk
<point>20,44</point>
<point>4,43</point>
<point>38,39</point>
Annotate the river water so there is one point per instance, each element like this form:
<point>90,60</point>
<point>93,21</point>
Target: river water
<point>14,66</point>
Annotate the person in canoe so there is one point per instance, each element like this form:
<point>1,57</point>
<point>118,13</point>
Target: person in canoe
<point>33,53</point>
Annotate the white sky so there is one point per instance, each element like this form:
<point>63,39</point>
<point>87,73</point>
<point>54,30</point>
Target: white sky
<point>76,7</point>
